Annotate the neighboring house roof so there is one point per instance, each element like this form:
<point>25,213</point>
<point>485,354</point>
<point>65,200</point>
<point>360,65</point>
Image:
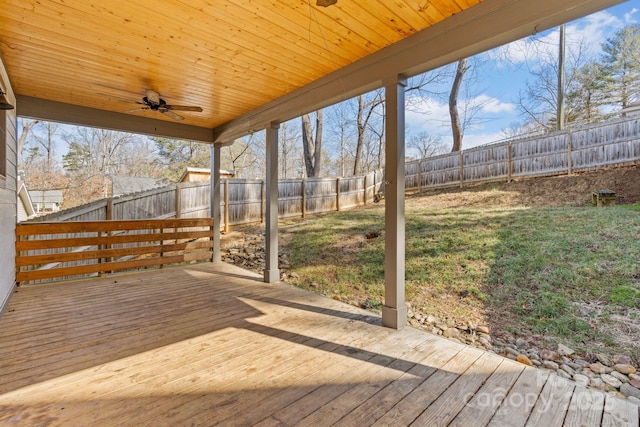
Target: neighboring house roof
<point>25,205</point>
<point>46,196</point>
<point>133,184</point>
<point>205,172</point>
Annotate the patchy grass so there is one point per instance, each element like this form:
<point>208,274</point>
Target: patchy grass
<point>572,274</point>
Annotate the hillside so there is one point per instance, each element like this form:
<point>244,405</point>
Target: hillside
<point>554,191</point>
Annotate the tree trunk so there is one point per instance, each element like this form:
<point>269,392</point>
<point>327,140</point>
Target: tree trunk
<point>27,125</point>
<point>456,128</point>
<point>360,143</point>
<point>312,148</point>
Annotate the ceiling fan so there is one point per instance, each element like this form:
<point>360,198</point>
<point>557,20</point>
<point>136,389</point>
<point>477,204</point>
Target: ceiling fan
<point>153,102</point>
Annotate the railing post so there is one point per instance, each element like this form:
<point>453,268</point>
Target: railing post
<point>338,194</point>
<point>226,206</point>
<point>569,153</point>
<point>509,162</point>
<point>212,258</point>
<point>304,197</point>
<point>162,247</point>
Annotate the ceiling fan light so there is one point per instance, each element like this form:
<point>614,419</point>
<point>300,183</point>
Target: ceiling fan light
<point>325,3</point>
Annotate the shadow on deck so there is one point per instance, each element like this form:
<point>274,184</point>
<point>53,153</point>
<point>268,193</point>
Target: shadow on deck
<point>210,343</point>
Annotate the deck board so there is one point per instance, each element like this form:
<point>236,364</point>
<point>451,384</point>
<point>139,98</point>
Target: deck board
<point>211,344</point>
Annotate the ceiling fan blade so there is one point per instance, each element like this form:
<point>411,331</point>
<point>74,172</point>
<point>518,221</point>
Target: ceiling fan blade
<point>138,109</point>
<point>153,96</point>
<point>183,108</point>
<point>171,114</point>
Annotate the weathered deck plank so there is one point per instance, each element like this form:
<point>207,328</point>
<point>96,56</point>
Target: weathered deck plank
<point>211,344</point>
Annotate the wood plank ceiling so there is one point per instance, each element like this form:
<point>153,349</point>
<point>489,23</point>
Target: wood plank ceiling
<point>226,56</point>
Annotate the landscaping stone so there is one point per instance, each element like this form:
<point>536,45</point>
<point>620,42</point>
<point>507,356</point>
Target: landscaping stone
<point>564,350</point>
<point>483,329</point>
<point>634,383</point>
<point>634,400</point>
<point>582,380</point>
<point>612,381</point>
<point>620,359</point>
<point>450,333</point>
<point>549,355</point>
<point>629,390</point>
<point>524,360</point>
<point>599,368</point>
<point>566,368</point>
<point>621,377</point>
<point>597,383</point>
<point>625,368</point>
<point>604,359</point>
<point>549,364</point>
<point>563,374</point>
<point>512,351</point>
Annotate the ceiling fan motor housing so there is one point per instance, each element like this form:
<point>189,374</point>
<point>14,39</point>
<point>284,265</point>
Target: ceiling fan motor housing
<point>152,105</point>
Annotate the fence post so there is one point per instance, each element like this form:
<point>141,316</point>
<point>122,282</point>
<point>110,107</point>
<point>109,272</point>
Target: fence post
<point>338,194</point>
<point>108,210</point>
<point>226,206</point>
<point>569,150</point>
<point>178,201</point>
<point>304,197</point>
<point>461,169</point>
<point>365,189</point>
<point>509,162</point>
<point>420,176</point>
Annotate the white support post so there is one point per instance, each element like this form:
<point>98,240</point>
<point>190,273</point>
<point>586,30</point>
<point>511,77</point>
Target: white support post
<point>271,271</point>
<point>215,200</point>
<point>394,310</point>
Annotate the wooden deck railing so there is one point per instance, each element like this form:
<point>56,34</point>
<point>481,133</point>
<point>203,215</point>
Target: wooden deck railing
<point>76,249</point>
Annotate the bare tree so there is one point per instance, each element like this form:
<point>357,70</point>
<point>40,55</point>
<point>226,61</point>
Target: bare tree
<point>341,131</point>
<point>538,102</point>
<point>456,127</point>
<point>312,147</point>
<point>427,145</point>
<point>26,125</point>
<point>290,157</point>
<point>245,156</point>
<point>367,104</point>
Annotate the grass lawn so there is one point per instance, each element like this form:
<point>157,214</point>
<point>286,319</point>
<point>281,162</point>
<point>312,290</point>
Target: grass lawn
<point>571,274</point>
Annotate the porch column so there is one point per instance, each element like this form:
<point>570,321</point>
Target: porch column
<point>394,310</point>
<point>271,271</point>
<point>215,199</point>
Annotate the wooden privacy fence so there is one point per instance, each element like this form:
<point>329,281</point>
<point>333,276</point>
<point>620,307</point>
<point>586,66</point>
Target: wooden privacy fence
<point>242,200</point>
<point>615,143</point>
<point>72,249</point>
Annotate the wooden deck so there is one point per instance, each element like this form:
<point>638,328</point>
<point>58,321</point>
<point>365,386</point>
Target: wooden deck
<point>210,344</point>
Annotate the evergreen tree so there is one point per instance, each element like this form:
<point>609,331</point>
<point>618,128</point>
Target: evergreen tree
<point>621,61</point>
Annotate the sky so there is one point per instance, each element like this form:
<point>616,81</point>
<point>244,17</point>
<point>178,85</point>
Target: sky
<point>502,73</point>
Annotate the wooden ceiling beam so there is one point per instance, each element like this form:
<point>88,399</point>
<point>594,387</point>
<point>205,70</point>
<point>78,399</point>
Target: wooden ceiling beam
<point>489,24</point>
<point>83,116</point>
